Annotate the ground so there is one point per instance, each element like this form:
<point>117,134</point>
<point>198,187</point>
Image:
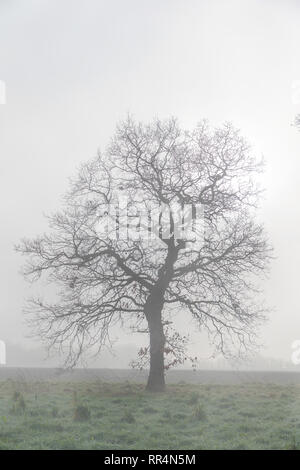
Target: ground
<point>98,415</point>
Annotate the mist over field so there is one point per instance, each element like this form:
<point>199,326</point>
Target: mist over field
<point>233,61</point>
<point>185,333</point>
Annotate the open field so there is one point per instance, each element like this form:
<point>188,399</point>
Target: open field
<point>94,414</point>
<point>196,377</point>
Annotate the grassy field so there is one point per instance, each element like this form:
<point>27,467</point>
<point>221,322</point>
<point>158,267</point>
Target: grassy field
<point>66,415</point>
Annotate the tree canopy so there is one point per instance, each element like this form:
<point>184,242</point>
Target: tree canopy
<point>104,278</point>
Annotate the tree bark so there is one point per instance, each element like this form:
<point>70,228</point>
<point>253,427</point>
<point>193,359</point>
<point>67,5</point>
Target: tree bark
<point>153,312</point>
<point>156,379</point>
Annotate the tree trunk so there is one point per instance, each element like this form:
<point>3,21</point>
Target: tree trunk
<point>156,379</point>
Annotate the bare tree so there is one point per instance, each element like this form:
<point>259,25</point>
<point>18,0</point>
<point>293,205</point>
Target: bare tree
<point>106,279</point>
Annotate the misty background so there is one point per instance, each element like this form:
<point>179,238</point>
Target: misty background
<point>73,69</point>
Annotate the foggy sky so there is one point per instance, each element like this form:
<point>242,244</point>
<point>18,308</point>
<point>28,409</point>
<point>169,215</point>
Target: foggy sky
<point>73,68</point>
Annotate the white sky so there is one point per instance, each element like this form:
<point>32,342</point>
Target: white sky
<point>73,68</point>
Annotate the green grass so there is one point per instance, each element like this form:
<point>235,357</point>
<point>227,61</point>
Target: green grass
<point>49,415</point>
